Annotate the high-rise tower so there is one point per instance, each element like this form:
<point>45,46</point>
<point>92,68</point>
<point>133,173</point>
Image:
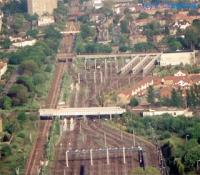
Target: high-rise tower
<point>41,7</point>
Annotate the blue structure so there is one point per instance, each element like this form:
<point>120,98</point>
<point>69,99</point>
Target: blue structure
<point>176,6</point>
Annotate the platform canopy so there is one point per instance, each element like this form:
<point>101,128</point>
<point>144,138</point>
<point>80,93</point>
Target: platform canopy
<point>86,111</point>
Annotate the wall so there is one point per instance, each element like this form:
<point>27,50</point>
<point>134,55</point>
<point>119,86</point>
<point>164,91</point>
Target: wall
<point>171,112</point>
<point>177,58</point>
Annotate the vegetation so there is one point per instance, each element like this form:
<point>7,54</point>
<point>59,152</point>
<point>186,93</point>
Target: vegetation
<point>32,62</point>
<point>143,15</point>
<point>192,96</point>
<point>190,41</point>
<point>181,154</point>
<point>146,171</point>
<point>134,102</point>
<point>84,44</point>
<point>124,26</point>
<point>61,14</point>
<point>143,47</point>
<point>65,88</point>
<point>22,128</point>
<point>51,143</point>
<point>150,95</point>
<point>191,100</point>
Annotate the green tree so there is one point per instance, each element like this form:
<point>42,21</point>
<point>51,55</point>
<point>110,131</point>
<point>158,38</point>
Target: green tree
<point>32,33</point>
<point>31,18</point>
<point>123,40</point>
<point>18,20</point>
<point>164,101</point>
<point>21,117</point>
<point>143,15</point>
<point>180,166</point>
<point>124,24</point>
<point>175,45</point>
<point>196,131</point>
<point>6,43</point>
<point>150,95</point>
<point>143,47</point>
<point>191,157</point>
<point>79,46</point>
<point>153,28</point>
<point>176,98</point>
<point>26,81</point>
<point>19,94</point>
<point>52,33</point>
<point>39,78</point>
<point>7,103</point>
<point>191,98</point>
<point>191,36</point>
<point>29,67</point>
<point>86,31</point>
<point>134,102</point>
<point>5,150</point>
<point>123,48</point>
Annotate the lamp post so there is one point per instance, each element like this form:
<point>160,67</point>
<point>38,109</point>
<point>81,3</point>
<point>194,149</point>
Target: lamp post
<point>186,137</point>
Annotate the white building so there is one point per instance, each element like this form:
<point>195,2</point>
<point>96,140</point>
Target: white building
<point>41,7</point>
<point>45,20</point>
<point>164,110</point>
<point>97,4</point>
<point>177,58</point>
<point>24,43</point>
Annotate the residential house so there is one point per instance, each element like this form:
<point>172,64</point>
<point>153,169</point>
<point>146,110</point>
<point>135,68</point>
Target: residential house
<point>164,85</point>
<point>134,39</point>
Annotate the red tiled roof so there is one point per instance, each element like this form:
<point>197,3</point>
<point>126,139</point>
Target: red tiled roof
<point>185,17</point>
<point>166,91</point>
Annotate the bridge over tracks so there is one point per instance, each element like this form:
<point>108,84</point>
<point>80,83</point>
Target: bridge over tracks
<point>86,111</point>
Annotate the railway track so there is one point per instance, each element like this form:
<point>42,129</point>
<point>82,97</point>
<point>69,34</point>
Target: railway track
<point>33,163</point>
<point>37,154</point>
<point>93,139</point>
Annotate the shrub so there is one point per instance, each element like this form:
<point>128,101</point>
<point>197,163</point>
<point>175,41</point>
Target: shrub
<point>21,135</point>
<point>165,135</point>
<point>6,150</point>
<point>21,117</point>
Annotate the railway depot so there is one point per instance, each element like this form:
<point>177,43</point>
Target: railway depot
<point>92,147</point>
